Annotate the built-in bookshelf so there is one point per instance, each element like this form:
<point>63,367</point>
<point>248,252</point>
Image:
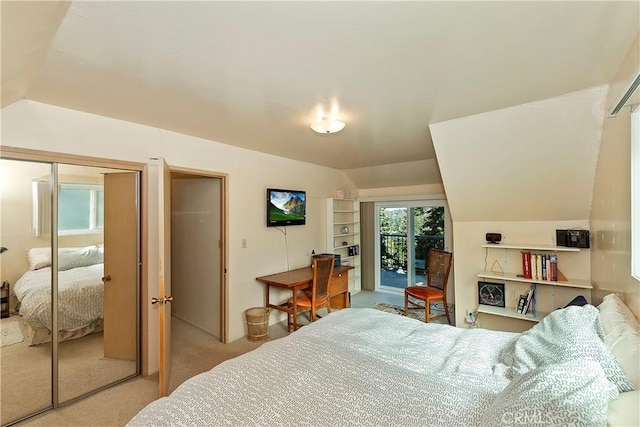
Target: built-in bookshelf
<point>343,236</point>
<point>508,270</point>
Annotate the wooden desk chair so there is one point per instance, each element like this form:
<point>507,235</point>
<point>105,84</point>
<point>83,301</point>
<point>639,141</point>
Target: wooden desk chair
<point>436,287</point>
<point>316,297</point>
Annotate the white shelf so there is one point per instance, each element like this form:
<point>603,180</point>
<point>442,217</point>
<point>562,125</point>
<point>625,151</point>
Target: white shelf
<point>343,247</point>
<point>530,247</point>
<point>510,312</point>
<point>343,213</point>
<point>570,283</point>
<point>344,235</point>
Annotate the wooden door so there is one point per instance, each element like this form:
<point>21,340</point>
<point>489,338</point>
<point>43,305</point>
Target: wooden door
<point>160,183</point>
<point>120,264</point>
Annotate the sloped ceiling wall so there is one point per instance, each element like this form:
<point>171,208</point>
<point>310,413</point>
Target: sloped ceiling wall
<point>395,174</point>
<point>28,29</point>
<point>532,162</point>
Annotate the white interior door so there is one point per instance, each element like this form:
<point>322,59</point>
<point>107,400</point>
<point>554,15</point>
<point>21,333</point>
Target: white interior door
<point>160,183</point>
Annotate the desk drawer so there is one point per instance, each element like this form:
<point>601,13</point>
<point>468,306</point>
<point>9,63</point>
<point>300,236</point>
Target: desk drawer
<point>339,284</point>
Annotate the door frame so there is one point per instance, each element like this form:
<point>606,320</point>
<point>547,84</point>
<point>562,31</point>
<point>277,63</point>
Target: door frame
<point>224,249</point>
<point>413,203</point>
<point>158,175</point>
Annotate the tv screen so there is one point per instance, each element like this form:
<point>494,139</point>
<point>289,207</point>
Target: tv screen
<point>286,207</point>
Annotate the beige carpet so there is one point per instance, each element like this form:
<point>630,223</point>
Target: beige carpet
<point>25,384</point>
<point>194,351</point>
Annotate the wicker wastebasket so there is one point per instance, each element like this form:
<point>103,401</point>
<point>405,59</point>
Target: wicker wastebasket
<point>257,323</point>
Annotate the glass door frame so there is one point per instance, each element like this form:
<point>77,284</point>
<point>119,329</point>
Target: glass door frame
<point>407,204</point>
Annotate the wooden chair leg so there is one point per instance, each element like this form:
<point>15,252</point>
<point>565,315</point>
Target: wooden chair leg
<point>406,303</point>
<point>446,309</point>
<point>328,308</point>
<point>427,311</point>
<point>295,318</point>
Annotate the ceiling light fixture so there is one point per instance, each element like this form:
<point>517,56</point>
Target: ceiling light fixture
<point>327,125</point>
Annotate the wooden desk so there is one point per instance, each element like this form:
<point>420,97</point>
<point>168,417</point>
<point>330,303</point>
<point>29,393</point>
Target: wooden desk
<point>302,278</point>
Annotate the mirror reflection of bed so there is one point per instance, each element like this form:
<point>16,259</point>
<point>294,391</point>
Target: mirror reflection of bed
<point>97,237</point>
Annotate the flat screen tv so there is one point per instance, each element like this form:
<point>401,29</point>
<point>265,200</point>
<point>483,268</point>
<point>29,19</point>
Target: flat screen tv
<point>286,207</point>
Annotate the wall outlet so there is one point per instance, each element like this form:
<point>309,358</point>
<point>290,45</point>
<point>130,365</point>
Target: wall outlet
<point>471,316</point>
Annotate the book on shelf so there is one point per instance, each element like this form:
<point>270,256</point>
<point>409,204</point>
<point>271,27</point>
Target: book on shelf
<point>534,266</point>
<point>521,301</point>
<point>529,301</point>
<point>539,266</point>
<point>553,268</point>
<point>526,264</point>
<point>544,267</point>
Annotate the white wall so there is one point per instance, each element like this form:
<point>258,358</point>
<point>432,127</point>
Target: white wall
<point>396,193</point>
<point>531,162</point>
<point>29,124</point>
<point>611,211</point>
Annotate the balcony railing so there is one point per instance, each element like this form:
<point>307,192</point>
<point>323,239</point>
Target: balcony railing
<point>393,262</point>
<point>393,250</point>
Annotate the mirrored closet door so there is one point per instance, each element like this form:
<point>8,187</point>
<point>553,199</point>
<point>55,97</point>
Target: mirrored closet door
<point>25,370</point>
<point>86,288</point>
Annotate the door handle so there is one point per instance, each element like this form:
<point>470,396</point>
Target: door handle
<point>161,301</point>
<point>106,278</point>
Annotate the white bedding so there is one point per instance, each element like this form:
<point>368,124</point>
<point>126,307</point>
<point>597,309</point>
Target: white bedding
<point>355,366</point>
<point>80,297</point>
<point>367,367</point>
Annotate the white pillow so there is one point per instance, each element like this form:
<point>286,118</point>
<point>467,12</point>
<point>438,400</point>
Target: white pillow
<point>617,319</point>
<point>622,335</point>
<point>568,334</point>
<point>572,393</point>
<point>41,257</point>
<point>80,257</point>
<point>624,411</point>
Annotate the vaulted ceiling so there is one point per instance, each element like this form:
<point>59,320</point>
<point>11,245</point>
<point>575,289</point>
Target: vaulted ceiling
<point>253,74</point>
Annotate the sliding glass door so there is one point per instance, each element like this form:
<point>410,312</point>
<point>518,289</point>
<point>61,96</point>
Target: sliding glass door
<point>406,231</point>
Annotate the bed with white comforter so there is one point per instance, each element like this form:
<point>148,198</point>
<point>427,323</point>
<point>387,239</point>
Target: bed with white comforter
<point>80,300</point>
<point>367,367</point>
